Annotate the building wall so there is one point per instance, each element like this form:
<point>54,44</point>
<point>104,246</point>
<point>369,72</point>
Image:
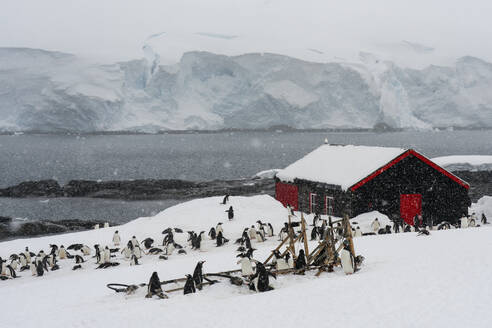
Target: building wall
<point>341,198</point>
<point>287,194</point>
<point>442,198</point>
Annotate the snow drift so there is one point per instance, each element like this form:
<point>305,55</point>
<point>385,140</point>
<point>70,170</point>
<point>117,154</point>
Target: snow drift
<point>51,91</point>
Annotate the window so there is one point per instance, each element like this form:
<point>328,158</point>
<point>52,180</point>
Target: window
<point>329,205</point>
<point>312,202</point>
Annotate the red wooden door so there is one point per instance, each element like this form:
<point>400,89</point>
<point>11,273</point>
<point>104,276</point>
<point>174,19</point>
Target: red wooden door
<point>410,205</point>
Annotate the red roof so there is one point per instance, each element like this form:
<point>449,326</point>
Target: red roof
<point>398,159</point>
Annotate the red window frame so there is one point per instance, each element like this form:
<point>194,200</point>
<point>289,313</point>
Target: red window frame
<point>312,201</point>
<point>331,207</point>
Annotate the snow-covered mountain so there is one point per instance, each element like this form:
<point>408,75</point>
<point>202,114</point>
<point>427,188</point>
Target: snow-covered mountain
<point>52,91</point>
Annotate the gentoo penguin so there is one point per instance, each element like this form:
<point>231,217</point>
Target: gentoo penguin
<point>314,233</point>
<point>226,199</point>
<point>189,286</point>
<point>169,238</point>
<point>212,234</point>
<point>128,250</point>
<point>375,225</point>
<point>33,267</point>
<point>247,242</point>
<point>11,272</point>
<point>196,241</point>
<point>62,253</point>
<point>170,248</point>
<point>270,230</point>
<point>301,260</point>
<point>76,267</point>
<point>3,267</point>
<point>98,254</point>
<point>14,264</point>
<point>39,269</point>
<point>198,274</point>
<point>252,232</point>
<point>259,236</point>
<point>85,250</point>
<point>154,287</point>
<point>134,260</point>
<point>472,223</point>
<point>347,259</point>
<point>154,251</point>
<point>23,260</point>
<point>358,232</point>
<point>96,226</point>
<point>483,219</point>
<point>137,251</point>
<point>106,224</point>
<point>134,241</point>
<point>221,240</point>
<point>423,232</point>
<point>280,264</point>
<point>79,259</point>
<point>289,260</point>
<point>464,222</point>
<point>54,266</point>
<point>230,213</point>
<point>246,266</point>
<point>219,228</point>
<point>260,280</point>
<point>106,255</point>
<point>27,254</point>
<point>147,242</point>
<point>116,238</point>
<point>54,249</point>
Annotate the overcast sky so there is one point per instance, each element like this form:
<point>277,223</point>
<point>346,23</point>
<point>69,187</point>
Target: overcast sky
<point>117,29</point>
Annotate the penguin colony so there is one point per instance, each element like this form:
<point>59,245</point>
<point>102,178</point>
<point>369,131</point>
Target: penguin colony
<point>254,274</point>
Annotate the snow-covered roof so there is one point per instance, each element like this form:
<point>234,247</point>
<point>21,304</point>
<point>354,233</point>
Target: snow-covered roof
<point>342,165</point>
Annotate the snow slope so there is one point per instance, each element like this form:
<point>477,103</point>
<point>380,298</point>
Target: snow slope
<point>407,281</point>
<point>465,162</point>
<point>52,91</point>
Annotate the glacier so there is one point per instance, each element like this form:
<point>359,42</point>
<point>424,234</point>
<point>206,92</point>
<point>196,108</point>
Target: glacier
<point>50,91</point>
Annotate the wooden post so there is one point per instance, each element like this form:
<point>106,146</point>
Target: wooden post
<point>291,235</point>
<point>303,224</point>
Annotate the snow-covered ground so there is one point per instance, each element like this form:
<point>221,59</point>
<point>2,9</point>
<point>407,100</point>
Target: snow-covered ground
<point>465,162</point>
<point>406,281</point>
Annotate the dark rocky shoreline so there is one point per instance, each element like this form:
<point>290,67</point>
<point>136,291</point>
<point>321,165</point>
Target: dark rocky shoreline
<point>145,189</point>
<point>12,228</point>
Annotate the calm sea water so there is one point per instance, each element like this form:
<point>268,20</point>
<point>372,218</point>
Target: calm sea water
<point>185,156</point>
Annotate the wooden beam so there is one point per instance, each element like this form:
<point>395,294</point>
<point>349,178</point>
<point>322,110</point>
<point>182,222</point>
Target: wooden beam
<point>303,224</point>
<point>276,249</point>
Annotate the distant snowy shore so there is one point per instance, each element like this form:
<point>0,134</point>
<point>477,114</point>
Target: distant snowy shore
<point>465,162</point>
